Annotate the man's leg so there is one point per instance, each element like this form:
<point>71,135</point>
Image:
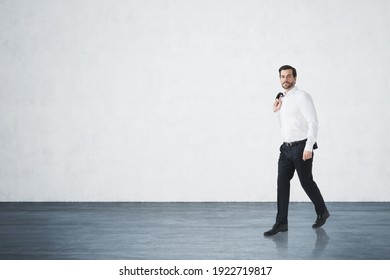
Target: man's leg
<point>285,173</point>
<point>304,170</point>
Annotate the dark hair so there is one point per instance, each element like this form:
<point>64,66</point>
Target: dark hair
<point>287,67</point>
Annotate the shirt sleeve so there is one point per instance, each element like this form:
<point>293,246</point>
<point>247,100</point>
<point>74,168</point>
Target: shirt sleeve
<point>310,115</point>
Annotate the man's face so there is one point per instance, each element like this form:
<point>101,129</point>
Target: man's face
<point>287,79</point>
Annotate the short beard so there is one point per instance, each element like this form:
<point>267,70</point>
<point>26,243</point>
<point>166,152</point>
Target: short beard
<point>289,85</point>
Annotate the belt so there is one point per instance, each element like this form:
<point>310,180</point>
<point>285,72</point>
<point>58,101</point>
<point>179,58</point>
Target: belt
<point>291,144</point>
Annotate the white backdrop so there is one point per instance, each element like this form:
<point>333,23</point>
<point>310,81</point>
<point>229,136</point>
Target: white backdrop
<point>171,100</point>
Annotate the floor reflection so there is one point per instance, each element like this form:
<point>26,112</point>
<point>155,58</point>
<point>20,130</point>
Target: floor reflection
<point>322,240</point>
<point>282,246</point>
<point>281,242</point>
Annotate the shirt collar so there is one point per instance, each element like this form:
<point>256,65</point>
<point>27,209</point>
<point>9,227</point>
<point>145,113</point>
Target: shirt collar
<point>291,91</point>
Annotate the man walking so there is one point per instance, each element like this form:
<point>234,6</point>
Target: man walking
<point>298,121</point>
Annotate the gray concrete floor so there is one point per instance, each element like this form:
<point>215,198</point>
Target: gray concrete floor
<point>196,231</point>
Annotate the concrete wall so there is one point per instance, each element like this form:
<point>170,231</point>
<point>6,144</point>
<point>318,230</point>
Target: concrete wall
<point>171,100</point>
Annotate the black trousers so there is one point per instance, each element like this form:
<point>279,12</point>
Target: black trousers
<point>290,159</point>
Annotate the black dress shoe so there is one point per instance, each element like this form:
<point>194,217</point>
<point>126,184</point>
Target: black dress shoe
<point>321,220</point>
<point>276,228</point>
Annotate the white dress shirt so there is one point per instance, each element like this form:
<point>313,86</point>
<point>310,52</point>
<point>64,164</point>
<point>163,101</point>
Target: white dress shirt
<point>298,118</point>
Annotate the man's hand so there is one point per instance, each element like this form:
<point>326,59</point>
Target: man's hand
<point>307,155</point>
<point>277,104</point>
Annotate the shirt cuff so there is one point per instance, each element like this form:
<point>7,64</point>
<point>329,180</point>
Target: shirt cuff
<point>309,146</point>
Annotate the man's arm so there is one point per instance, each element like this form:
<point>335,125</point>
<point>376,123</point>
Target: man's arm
<point>309,112</point>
